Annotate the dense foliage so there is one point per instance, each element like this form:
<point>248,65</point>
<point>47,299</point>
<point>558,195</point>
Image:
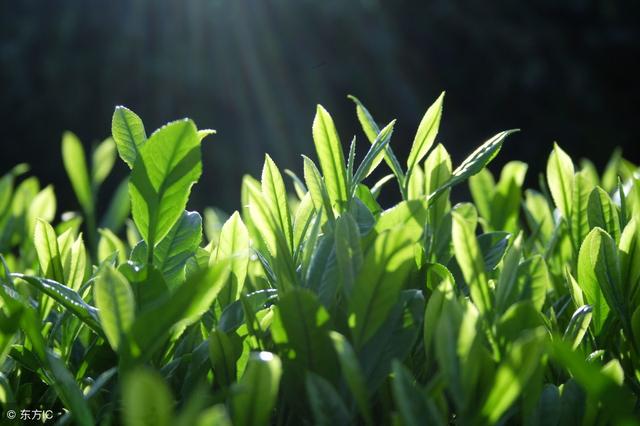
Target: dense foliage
<point>322,307</point>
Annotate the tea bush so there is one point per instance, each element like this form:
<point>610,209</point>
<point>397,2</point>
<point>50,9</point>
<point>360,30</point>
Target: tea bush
<point>320,306</point>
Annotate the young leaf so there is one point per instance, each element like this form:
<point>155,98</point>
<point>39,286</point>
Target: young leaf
<point>43,206</point>
<point>629,250</point>
<point>578,326</point>
<point>326,404</point>
<point>514,373</point>
<point>223,358</point>
<point>110,244</point>
<point>329,149</point>
<point>146,400</point>
<point>588,278</point>
<point>579,224</point>
<point>300,328</point>
<point>560,178</point>
<point>471,262</point>
<point>482,187</point>
<point>180,244</point>
<point>377,287</point>
<point>474,162</point>
<point>426,134</point>
<point>255,394</point>
<point>166,168</point>
<point>317,188</point>
<point>234,245</point>
<point>102,161</point>
<point>75,164</point>
<point>352,373</point>
<point>69,391</point>
<point>368,162</point>
<point>176,310</point>
<point>275,196</point>
<point>372,130</point>
<point>437,171</point>
<point>505,206</point>
<point>49,257</point>
<point>410,399</point>
<point>603,213</point>
<point>128,133</point>
<point>116,307</point>
<point>66,297</point>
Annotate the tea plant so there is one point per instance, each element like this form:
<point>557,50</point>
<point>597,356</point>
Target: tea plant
<point>322,307</point>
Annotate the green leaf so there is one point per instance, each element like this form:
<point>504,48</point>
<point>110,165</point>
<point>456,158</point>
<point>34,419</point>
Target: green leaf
<point>167,166</point>
<point>352,374</point>
<point>602,213</point>
<point>326,405</point>
<point>437,171</point>
<point>483,187</point>
<point>75,164</point>
<point>395,339</point>
<point>425,135</point>
<point>533,281</point>
<point>630,260</point>
<point>203,133</point>
<point>300,328</point>
<point>234,245</point>
<point>102,161</point>
<point>255,394</point>
<point>578,326</point>
<point>128,133</point>
<point>368,163</point>
<point>377,287</point>
<point>75,264</point>
<point>560,178</point>
<point>272,235</point>
<point>66,297</point>
<point>115,303</point>
<point>46,243</point>
<point>505,204</point>
<point>223,358</point>
<point>506,288</point>
<point>110,244</point>
<point>598,385</point>
<point>43,206</point>
<point>146,400</point>
<point>233,315</point>
<point>471,262</point>
<point>475,162</point>
<point>69,391</point>
<point>329,150</point>
<point>275,195</point>
<point>513,374</point>
<point>323,274</point>
<point>588,277</point>
<point>372,130</point>
<point>180,244</point>
<point>493,245</point>
<point>176,310</point>
<point>579,224</point>
<point>603,254</point>
<point>348,252</point>
<point>410,399</point>
<point>410,214</point>
<point>317,188</point>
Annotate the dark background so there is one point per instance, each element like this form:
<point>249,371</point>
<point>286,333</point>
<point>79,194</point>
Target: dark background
<point>254,70</point>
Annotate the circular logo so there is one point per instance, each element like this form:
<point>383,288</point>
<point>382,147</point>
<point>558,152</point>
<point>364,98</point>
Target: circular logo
<point>11,414</point>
